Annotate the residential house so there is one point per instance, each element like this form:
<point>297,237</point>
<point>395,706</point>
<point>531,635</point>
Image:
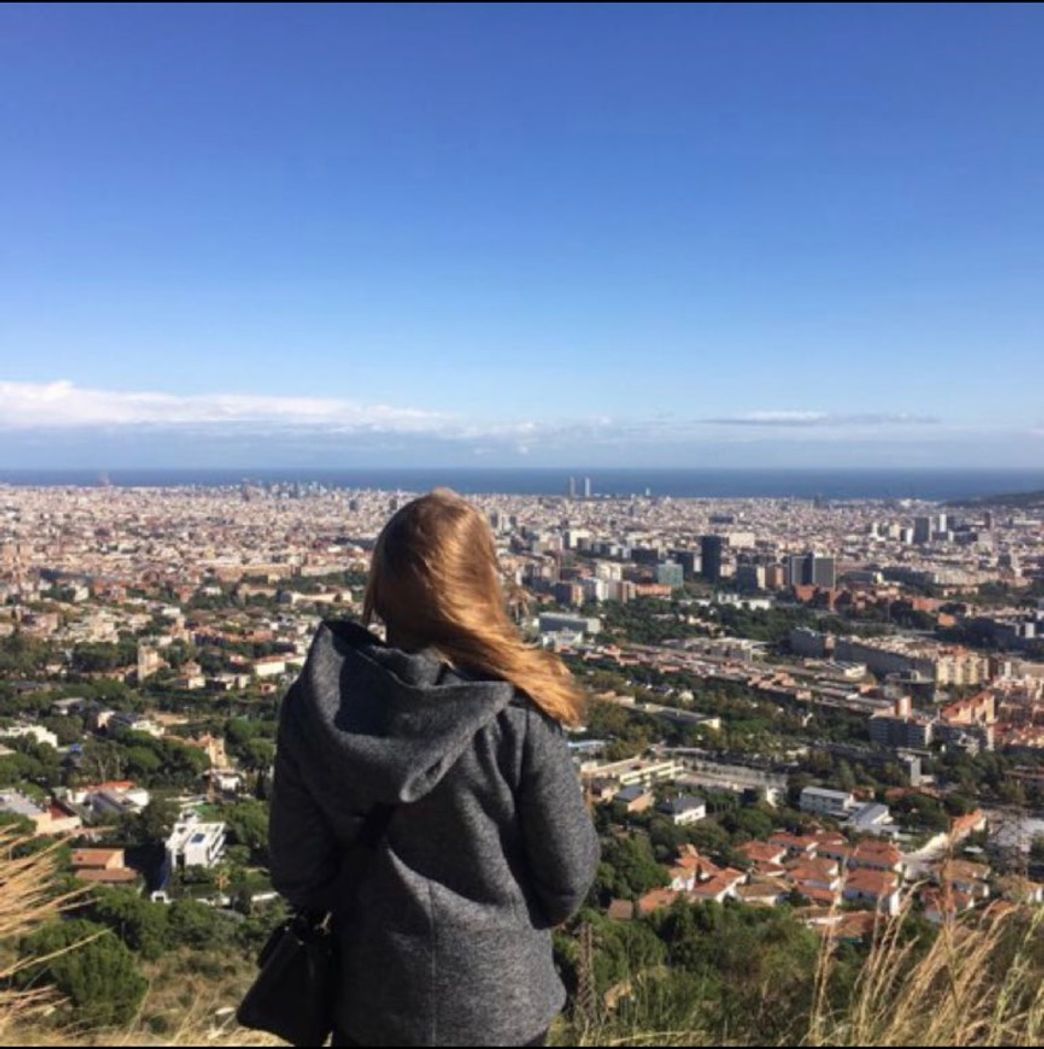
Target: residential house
<point>1021,890</point>
<point>833,847</point>
<point>656,899</point>
<point>684,810</point>
<point>103,867</point>
<point>763,892</point>
<point>966,825</point>
<point>48,818</point>
<point>795,844</point>
<point>945,904</point>
<point>193,843</point>
<point>836,804</point>
<point>761,852</point>
<point>635,799</point>
<point>720,887</point>
<point>966,877</point>
<point>878,856</point>
<point>879,888</point>
<point>621,910</point>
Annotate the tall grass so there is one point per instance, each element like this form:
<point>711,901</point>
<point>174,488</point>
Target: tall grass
<point>980,982</point>
<point>29,897</point>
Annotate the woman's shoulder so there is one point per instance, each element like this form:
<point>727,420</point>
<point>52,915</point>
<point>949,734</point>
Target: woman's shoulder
<point>528,719</point>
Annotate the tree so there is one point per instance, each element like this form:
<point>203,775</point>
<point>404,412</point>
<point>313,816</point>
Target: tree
<point>90,967</point>
<point>248,825</point>
<point>845,776</point>
<point>154,823</point>
<point>68,729</point>
<point>194,924</point>
<point>259,754</point>
<point>142,762</point>
<point>139,923</point>
<point>629,868</point>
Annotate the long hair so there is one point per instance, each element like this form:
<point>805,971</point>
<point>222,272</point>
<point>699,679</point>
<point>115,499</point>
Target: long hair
<point>435,580</point>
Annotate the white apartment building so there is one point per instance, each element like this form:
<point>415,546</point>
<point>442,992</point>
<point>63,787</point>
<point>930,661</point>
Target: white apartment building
<point>193,843</point>
<point>837,804</point>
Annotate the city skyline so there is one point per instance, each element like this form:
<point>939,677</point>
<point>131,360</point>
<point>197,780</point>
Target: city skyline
<point>501,236</point>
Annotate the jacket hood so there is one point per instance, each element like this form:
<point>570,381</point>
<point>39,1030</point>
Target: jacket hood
<point>384,725</point>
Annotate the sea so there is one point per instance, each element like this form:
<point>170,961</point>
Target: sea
<point>933,485</point>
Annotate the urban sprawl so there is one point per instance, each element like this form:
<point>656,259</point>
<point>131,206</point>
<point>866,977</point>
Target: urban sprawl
<point>836,707</point>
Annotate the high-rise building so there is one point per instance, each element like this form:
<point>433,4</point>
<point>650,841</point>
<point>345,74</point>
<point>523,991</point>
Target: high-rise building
<point>568,594</point>
<point>922,529</point>
<point>587,487</point>
<point>712,550</point>
<point>750,577</point>
<point>646,555</point>
<point>775,577</point>
<point>689,560</point>
<point>670,574</point>
<point>796,564</point>
<point>572,488</point>
<point>824,572</point>
<point>812,570</point>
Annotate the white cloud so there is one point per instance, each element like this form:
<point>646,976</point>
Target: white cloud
<point>63,405</point>
<point>815,419</point>
<point>37,409</point>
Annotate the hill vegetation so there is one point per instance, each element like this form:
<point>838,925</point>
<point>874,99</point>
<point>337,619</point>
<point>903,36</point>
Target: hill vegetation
<point>693,975</point>
<point>1010,500</point>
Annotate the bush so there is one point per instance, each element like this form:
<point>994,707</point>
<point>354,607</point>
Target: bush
<point>139,923</point>
<point>88,966</point>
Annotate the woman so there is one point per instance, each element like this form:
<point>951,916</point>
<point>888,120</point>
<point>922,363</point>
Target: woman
<point>446,937</point>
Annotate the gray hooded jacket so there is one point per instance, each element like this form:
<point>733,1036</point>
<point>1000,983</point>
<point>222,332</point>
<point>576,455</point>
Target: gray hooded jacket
<point>446,937</point>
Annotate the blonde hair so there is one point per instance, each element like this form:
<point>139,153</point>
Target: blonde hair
<point>435,580</point>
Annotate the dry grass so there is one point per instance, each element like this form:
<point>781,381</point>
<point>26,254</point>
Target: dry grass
<point>979,983</point>
<point>28,899</point>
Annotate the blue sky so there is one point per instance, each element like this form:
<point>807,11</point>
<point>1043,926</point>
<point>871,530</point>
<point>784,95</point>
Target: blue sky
<point>545,235</point>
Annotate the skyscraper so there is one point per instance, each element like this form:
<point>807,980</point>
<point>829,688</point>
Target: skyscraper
<point>687,559</point>
<point>823,571</point>
<point>587,487</point>
<point>812,570</point>
<point>712,548</point>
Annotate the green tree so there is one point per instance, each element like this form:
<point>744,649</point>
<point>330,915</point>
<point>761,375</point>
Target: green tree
<point>90,967</point>
<point>153,824</point>
<point>629,868</point>
<point>139,923</point>
<point>194,924</point>
<point>248,825</point>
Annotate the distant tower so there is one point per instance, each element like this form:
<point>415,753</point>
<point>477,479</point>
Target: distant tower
<point>712,548</point>
<point>572,487</point>
<point>587,487</point>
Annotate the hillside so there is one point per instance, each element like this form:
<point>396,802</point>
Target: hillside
<point>1011,501</point>
<point>975,983</point>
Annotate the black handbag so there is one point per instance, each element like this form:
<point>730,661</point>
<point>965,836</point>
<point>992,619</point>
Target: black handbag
<point>294,993</point>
